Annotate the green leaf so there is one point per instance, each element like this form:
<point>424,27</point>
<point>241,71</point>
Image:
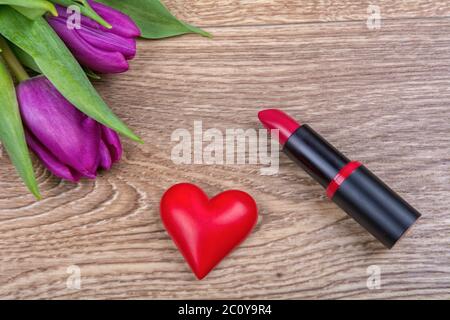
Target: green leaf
<point>85,9</point>
<point>12,133</point>
<point>25,59</point>
<point>30,13</point>
<point>56,62</point>
<point>31,8</point>
<point>153,18</point>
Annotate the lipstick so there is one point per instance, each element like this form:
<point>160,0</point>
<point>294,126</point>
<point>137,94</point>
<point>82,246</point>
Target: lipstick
<point>349,184</point>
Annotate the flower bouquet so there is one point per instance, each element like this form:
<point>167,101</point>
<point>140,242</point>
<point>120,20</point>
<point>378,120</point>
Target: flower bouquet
<point>48,51</point>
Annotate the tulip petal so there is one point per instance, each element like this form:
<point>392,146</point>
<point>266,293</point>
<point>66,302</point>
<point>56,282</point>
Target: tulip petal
<point>53,165</point>
<point>88,55</point>
<point>109,42</point>
<point>112,141</point>
<point>105,157</point>
<point>69,135</point>
<point>122,24</point>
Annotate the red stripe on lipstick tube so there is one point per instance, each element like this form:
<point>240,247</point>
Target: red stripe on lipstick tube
<point>349,184</point>
<point>341,177</point>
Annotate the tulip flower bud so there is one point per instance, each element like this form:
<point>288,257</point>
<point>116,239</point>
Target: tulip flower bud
<point>96,47</point>
<point>69,143</point>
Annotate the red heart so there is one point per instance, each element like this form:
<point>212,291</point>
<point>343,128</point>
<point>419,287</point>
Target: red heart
<point>204,230</point>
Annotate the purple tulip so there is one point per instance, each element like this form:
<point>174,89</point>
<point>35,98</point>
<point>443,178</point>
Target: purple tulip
<point>69,143</point>
<point>96,47</point>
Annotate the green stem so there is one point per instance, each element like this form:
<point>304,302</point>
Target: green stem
<point>14,65</point>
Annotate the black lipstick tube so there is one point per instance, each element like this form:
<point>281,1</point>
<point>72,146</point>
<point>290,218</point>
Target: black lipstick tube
<point>352,187</point>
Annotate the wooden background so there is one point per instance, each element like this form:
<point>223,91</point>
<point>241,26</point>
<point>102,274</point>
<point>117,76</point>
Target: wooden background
<point>382,96</point>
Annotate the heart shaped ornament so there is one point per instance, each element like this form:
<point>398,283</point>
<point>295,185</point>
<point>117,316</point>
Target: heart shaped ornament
<point>206,230</point>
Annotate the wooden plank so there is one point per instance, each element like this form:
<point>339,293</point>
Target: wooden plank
<point>262,12</point>
<point>380,96</point>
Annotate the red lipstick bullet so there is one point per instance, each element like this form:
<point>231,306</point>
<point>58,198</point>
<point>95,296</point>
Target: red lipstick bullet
<point>349,184</point>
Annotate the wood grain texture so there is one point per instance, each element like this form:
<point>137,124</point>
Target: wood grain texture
<point>273,12</point>
<point>382,97</point>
